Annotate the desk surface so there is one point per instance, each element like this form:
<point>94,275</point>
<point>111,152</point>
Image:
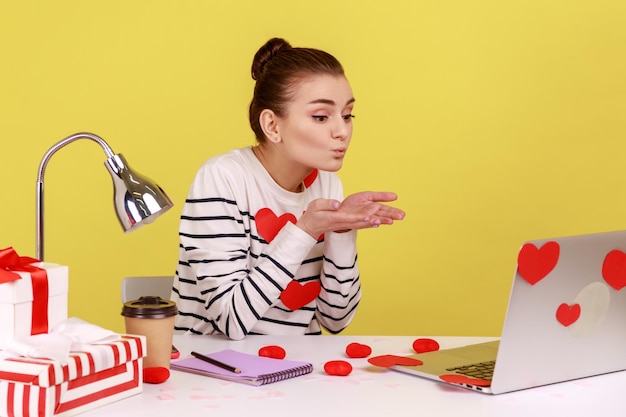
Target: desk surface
<point>367,391</point>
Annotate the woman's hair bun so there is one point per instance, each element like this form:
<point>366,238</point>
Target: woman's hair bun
<point>265,55</point>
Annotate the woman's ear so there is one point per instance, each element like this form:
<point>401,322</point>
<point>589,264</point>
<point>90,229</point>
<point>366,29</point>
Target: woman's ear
<point>269,123</point>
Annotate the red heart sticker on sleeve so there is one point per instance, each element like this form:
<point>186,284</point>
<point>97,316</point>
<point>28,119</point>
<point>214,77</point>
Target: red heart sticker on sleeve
<point>297,295</point>
<point>357,350</point>
<point>614,269</point>
<point>386,361</point>
<point>534,264</point>
<point>268,224</point>
<point>567,315</point>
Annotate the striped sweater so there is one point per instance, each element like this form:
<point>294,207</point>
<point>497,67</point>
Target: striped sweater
<point>245,268</point>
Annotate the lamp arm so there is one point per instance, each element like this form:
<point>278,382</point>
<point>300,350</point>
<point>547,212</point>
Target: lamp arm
<point>40,178</point>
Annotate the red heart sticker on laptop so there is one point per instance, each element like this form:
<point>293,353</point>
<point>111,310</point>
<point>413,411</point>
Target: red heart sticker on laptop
<point>567,315</point>
<point>462,379</point>
<point>614,269</point>
<point>269,224</point>
<point>534,264</point>
<point>386,361</point>
<point>297,295</point>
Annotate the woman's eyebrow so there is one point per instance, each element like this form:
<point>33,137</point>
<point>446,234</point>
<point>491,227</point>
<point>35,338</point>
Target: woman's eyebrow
<point>329,102</point>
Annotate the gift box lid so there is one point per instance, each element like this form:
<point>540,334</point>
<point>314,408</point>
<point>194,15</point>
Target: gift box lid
<point>21,290</point>
<point>91,360</point>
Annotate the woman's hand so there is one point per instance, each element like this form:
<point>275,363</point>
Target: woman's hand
<point>357,211</point>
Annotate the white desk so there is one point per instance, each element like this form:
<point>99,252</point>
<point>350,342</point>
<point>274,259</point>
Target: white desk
<point>367,391</point>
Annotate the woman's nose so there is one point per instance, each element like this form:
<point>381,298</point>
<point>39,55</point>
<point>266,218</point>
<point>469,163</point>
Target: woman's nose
<point>341,129</point>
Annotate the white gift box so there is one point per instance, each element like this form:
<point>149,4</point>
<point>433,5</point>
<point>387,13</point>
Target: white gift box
<point>95,376</point>
<point>18,300</point>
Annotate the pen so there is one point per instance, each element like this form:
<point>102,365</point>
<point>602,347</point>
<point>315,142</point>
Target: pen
<point>215,362</point>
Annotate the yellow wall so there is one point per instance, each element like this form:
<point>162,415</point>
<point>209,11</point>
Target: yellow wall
<point>495,121</point>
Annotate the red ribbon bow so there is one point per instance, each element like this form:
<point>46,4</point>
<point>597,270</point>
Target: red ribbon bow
<point>10,261</point>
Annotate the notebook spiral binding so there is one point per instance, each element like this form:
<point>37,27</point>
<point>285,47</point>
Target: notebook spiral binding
<point>280,376</point>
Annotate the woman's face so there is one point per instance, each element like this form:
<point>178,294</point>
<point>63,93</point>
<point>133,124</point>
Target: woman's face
<point>317,127</point>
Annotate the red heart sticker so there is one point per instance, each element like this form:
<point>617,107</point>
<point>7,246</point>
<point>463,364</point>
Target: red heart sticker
<point>386,361</point>
<point>567,315</point>
<point>425,345</point>
<point>534,263</point>
<point>310,179</point>
<point>268,224</point>
<point>297,295</point>
<point>614,269</point>
<point>338,368</point>
<point>462,379</point>
<point>357,350</point>
<point>273,351</point>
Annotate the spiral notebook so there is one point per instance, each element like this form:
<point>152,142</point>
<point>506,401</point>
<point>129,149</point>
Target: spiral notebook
<point>255,370</point>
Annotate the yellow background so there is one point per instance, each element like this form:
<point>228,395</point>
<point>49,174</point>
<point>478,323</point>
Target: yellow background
<point>495,122</point>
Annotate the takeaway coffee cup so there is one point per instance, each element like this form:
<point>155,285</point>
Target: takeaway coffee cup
<point>152,317</point>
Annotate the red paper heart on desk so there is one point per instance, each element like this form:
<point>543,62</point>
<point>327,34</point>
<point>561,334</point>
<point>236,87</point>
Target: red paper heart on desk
<point>338,368</point>
<point>386,361</point>
<point>462,379</point>
<point>297,295</point>
<point>268,224</point>
<point>614,269</point>
<point>273,351</point>
<point>425,345</point>
<point>358,350</point>
<point>567,315</point>
<point>534,264</point>
<point>155,374</point>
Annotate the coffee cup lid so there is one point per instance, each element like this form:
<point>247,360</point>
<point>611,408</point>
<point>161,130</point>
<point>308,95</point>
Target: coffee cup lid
<point>149,307</point>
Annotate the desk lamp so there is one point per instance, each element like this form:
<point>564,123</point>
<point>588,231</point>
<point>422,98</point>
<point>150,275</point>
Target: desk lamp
<point>137,199</point>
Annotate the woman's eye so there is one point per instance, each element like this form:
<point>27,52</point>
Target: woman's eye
<point>347,117</point>
<point>320,118</point>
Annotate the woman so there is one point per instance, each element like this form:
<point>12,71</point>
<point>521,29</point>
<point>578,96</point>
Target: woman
<point>267,241</point>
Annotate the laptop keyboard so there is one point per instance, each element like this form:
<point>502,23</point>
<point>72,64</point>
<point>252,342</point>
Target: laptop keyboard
<point>481,370</point>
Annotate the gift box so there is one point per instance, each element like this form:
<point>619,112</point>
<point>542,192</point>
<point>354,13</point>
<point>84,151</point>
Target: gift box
<point>34,302</point>
<point>95,376</point>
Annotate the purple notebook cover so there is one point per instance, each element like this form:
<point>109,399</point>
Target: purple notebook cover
<point>255,370</point>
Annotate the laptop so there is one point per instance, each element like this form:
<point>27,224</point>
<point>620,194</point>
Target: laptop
<point>566,319</point>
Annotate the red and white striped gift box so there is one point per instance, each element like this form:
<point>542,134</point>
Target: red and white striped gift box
<point>91,378</point>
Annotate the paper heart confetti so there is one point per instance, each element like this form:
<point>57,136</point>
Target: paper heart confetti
<point>386,361</point>
<point>310,179</point>
<point>567,315</point>
<point>614,269</point>
<point>424,345</point>
<point>534,263</point>
<point>358,350</point>
<point>297,295</point>
<point>273,351</point>
<point>338,368</point>
<point>269,224</point>
<point>462,379</point>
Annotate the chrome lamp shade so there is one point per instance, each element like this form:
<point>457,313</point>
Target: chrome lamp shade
<point>137,199</point>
